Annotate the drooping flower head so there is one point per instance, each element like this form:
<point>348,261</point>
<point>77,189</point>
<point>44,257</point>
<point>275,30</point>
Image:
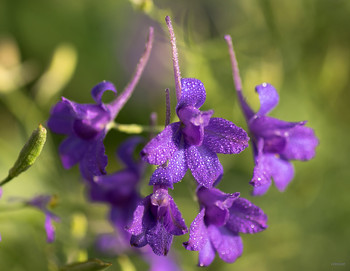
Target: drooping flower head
<point>86,125</point>
<point>216,228</point>
<point>156,220</point>
<point>194,141</point>
<point>41,202</point>
<point>275,142</point>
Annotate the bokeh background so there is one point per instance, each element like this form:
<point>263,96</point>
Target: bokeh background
<point>59,48</point>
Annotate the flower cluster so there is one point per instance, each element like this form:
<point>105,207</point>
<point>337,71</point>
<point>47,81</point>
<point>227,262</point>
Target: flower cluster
<point>191,143</point>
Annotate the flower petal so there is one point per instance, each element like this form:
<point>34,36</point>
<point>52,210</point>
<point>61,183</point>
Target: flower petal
<point>117,188</point>
<point>173,172</point>
<point>198,233</point>
<point>281,170</point>
<point>161,177</point>
<point>126,152</point>
<point>268,97</point>
<point>192,93</point>
<point>72,150</point>
<point>266,127</point>
<point>137,227</point>
<point>95,160</point>
<point>159,239</point>
<point>98,90</point>
<point>49,228</point>
<point>138,240</point>
<point>163,146</point>
<point>206,254</point>
<point>267,166</point>
<point>217,204</point>
<point>61,118</point>
<point>301,144</point>
<point>227,244</point>
<point>173,221</point>
<point>245,217</point>
<point>214,196</point>
<point>194,122</point>
<point>204,165</point>
<point>222,136</point>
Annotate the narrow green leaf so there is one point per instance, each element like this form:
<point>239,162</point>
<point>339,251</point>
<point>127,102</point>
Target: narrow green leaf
<point>90,265</point>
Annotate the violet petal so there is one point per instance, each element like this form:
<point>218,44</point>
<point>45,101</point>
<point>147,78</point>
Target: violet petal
<point>227,244</point>
<point>198,233</point>
<point>72,150</point>
<point>222,136</point>
<point>173,221</point>
<point>301,144</point>
<point>61,118</point>
<point>192,93</point>
<point>95,160</point>
<point>126,152</point>
<point>98,90</point>
<point>204,165</point>
<point>163,146</point>
<point>159,239</point>
<point>206,254</point>
<point>177,166</point>
<point>281,170</point>
<point>245,217</point>
<point>268,97</point>
<point>136,228</point>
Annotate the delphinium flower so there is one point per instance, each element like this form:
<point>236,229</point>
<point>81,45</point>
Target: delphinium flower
<point>156,220</point>
<point>216,228</point>
<point>41,202</point>
<point>194,141</point>
<point>275,142</point>
<point>86,125</point>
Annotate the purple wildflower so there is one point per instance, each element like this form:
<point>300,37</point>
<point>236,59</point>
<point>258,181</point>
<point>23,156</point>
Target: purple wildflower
<point>86,125</point>
<point>194,141</point>
<point>156,220</point>
<point>216,228</point>
<point>41,202</point>
<point>275,142</point>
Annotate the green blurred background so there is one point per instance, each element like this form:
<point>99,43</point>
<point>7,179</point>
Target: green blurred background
<point>59,48</point>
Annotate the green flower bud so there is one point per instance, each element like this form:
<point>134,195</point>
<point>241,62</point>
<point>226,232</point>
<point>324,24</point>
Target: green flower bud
<point>28,154</point>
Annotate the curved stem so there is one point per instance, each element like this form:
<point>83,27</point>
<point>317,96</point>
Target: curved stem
<point>118,104</point>
<point>167,104</point>
<point>177,74</point>
<point>248,112</point>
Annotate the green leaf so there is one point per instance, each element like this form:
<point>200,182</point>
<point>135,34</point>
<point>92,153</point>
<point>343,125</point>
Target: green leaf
<point>90,265</point>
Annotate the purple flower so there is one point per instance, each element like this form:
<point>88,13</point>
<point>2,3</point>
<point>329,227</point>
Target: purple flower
<point>216,228</point>
<point>156,220</point>
<point>275,142</point>
<point>120,190</point>
<point>193,142</point>
<point>41,202</point>
<point>86,125</point>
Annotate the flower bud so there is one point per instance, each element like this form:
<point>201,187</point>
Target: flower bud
<point>29,152</point>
